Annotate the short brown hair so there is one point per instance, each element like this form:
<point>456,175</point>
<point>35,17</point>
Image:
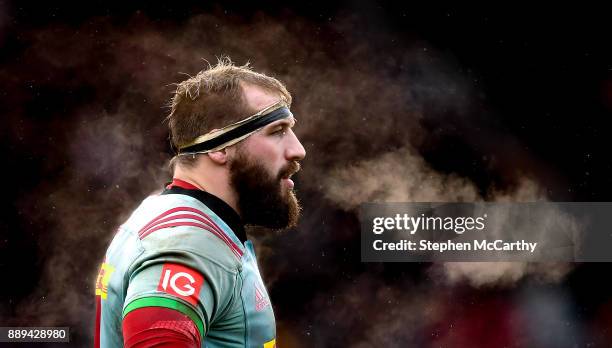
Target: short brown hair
<point>213,99</point>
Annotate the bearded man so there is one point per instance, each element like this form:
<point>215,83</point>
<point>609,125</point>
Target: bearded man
<point>180,272</point>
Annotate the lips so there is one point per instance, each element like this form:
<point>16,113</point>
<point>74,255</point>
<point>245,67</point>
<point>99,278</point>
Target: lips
<point>287,172</point>
<point>288,182</point>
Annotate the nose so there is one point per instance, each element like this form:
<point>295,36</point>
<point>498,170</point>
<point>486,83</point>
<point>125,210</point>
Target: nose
<point>294,151</point>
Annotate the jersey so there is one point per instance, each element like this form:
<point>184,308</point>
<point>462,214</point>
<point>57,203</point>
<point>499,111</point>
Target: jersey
<point>185,249</point>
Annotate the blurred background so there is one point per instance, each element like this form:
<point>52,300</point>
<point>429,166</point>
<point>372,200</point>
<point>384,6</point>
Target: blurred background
<point>395,102</point>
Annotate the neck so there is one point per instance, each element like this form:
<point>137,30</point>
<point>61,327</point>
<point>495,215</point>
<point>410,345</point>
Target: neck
<point>213,182</point>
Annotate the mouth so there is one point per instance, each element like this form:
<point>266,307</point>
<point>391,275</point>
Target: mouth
<point>286,178</point>
<point>288,182</point>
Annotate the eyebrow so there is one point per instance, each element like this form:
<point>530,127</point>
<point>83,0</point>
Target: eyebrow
<point>290,120</point>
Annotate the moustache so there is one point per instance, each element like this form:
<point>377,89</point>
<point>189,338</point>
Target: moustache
<point>288,170</point>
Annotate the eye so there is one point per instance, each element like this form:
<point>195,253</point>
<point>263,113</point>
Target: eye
<point>280,131</point>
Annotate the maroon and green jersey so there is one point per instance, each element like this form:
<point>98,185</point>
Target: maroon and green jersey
<point>186,250</point>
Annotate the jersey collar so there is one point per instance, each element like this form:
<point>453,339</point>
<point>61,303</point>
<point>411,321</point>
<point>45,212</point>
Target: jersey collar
<point>217,205</point>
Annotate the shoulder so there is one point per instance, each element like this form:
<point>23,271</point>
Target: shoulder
<point>180,224</point>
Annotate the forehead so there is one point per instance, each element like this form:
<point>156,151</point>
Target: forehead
<point>258,98</point>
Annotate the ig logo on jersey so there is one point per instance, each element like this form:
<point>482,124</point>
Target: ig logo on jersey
<point>180,281</point>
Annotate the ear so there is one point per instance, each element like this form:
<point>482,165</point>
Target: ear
<point>218,157</point>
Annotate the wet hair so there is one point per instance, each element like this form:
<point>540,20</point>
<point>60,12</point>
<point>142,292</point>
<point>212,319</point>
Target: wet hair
<point>212,99</point>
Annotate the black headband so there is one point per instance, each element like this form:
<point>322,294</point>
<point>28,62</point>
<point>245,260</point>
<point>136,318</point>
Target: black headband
<point>238,132</point>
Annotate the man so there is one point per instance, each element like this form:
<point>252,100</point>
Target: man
<point>180,271</point>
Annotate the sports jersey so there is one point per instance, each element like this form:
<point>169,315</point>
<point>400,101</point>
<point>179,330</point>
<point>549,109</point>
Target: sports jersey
<point>186,250</point>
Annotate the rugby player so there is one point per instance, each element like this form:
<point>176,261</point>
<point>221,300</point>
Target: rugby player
<point>180,271</point>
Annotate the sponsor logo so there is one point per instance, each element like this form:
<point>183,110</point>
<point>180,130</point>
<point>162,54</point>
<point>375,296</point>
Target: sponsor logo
<point>181,281</point>
<point>103,278</point>
<point>261,299</point>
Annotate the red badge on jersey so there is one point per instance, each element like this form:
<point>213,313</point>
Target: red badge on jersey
<point>181,281</point>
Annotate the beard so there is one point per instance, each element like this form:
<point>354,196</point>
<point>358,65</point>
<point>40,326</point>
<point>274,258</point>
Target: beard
<point>262,199</point>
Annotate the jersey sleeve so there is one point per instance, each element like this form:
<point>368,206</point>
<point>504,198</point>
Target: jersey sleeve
<point>193,282</point>
<point>159,327</point>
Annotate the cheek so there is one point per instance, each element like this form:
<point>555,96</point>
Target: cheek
<point>268,153</point>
